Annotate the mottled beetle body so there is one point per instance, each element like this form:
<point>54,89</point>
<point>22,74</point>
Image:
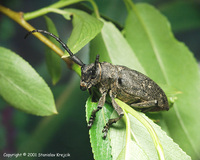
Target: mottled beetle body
<point>130,86</point>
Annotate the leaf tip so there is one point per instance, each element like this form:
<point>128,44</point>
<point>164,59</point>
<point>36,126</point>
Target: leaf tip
<point>54,111</point>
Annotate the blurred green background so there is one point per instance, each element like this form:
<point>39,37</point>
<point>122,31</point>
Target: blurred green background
<point>67,132</point>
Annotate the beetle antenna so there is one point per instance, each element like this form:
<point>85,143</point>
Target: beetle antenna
<point>96,61</point>
<point>72,56</point>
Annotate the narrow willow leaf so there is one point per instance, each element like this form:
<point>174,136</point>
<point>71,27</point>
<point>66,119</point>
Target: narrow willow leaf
<point>101,148</point>
<point>113,47</point>
<point>53,61</point>
<point>48,126</point>
<point>124,148</point>
<point>85,28</point>
<point>171,149</point>
<point>170,62</point>
<point>136,153</point>
<point>22,87</point>
<point>142,139</point>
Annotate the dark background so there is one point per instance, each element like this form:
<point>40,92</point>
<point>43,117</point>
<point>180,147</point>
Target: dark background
<point>67,132</point>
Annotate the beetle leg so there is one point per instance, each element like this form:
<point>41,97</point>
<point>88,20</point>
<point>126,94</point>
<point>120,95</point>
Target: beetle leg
<point>145,104</point>
<point>114,120</point>
<point>90,91</point>
<point>100,105</point>
<point>109,123</point>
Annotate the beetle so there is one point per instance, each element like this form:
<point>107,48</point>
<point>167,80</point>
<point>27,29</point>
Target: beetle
<point>128,85</point>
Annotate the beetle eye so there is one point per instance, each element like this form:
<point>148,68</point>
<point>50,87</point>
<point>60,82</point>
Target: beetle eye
<point>93,73</point>
<point>120,81</point>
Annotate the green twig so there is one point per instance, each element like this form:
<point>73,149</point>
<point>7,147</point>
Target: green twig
<point>45,10</point>
<point>18,17</point>
<point>96,11</point>
<point>57,5</point>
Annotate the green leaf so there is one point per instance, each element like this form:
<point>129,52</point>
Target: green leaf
<point>85,28</point>
<point>170,62</point>
<point>113,47</point>
<point>135,152</point>
<point>123,146</point>
<point>22,87</point>
<point>53,61</point>
<point>140,127</point>
<point>49,126</point>
<point>100,147</point>
<point>130,142</point>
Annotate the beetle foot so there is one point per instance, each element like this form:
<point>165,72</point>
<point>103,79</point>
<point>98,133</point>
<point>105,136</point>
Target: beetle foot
<point>93,115</point>
<point>91,121</point>
<point>105,131</point>
<point>89,125</point>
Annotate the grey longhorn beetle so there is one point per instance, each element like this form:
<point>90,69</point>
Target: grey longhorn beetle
<point>130,86</point>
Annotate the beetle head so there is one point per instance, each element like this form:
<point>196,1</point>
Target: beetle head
<point>90,74</point>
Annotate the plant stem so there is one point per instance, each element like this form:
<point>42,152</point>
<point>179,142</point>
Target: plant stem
<point>59,4</point>
<point>21,18</point>
<point>96,11</point>
<point>45,10</point>
<point>18,17</point>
